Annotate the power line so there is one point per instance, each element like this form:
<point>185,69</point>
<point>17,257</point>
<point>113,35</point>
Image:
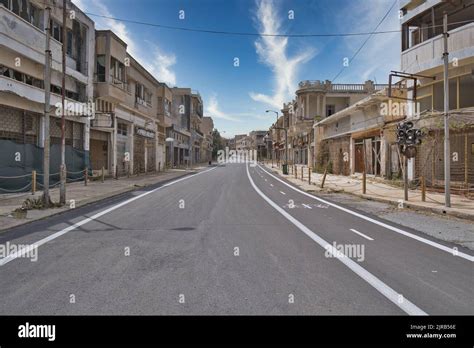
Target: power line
<point>236,33</point>
<point>367,39</point>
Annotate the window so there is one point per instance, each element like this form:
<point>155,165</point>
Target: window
<point>438,95</point>
<point>466,91</point>
<point>139,93</point>
<point>117,70</point>
<point>56,30</point>
<point>100,69</point>
<point>122,129</point>
<point>330,109</point>
<point>148,96</point>
<point>69,43</point>
<point>36,16</point>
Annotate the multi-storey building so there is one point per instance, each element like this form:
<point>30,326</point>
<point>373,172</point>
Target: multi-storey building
<point>422,54</point>
<point>316,100</point>
<point>197,136</point>
<point>178,151</point>
<point>362,137</point>
<point>258,143</point>
<point>207,144</point>
<point>22,96</point>
<point>126,99</point>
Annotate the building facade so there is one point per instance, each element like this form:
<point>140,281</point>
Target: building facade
<point>127,102</point>
<point>422,54</point>
<point>22,95</point>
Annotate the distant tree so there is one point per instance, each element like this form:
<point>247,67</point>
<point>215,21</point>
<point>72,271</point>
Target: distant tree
<point>217,143</point>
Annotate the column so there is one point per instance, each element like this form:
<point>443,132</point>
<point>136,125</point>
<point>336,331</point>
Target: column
<point>306,111</point>
<point>317,105</point>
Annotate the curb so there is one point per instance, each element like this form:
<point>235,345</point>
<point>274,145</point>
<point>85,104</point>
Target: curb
<point>411,205</point>
<point>85,202</point>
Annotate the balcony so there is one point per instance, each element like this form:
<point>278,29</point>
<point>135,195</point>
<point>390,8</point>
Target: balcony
<point>429,54</point>
<point>32,93</point>
<point>24,38</point>
<point>116,92</point>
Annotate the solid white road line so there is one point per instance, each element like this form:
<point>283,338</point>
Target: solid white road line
<point>392,228</point>
<point>361,234</point>
<point>407,306</point>
<point>25,250</point>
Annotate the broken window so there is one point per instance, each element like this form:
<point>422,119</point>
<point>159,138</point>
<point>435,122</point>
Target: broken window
<point>36,16</point>
<point>69,43</point>
<point>100,69</point>
<point>56,30</point>
<point>117,70</point>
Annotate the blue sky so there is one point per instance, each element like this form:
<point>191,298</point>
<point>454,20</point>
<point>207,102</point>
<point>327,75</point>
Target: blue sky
<point>269,67</point>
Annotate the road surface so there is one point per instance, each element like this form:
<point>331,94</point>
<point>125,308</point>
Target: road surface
<point>231,239</point>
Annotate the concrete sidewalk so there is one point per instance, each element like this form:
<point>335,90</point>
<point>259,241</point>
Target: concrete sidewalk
<point>81,194</point>
<point>461,206</point>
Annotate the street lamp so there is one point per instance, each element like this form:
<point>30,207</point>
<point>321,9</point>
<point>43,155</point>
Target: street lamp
<point>285,168</point>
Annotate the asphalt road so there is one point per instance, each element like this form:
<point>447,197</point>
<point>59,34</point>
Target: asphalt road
<point>233,239</point>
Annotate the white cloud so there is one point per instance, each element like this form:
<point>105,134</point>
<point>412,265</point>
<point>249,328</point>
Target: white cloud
<point>159,64</point>
<point>381,53</point>
<point>213,110</point>
<point>272,51</point>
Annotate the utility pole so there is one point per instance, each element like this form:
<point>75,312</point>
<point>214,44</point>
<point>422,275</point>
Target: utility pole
<point>47,95</point>
<point>447,157</point>
<point>62,170</point>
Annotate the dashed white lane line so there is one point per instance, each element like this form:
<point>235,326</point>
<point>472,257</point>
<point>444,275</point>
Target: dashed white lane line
<point>26,250</point>
<point>407,306</point>
<point>361,234</point>
<point>452,251</point>
<point>307,206</point>
<point>283,193</point>
<point>271,185</point>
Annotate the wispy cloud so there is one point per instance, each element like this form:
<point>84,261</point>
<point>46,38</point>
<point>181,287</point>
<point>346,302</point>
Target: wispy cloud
<point>272,51</point>
<point>213,110</point>
<point>382,52</point>
<point>159,63</point>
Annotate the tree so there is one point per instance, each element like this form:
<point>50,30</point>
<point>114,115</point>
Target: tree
<point>217,143</point>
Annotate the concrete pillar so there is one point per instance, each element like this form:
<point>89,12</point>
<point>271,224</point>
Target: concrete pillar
<point>114,147</point>
<point>306,112</point>
<point>323,107</point>
<point>352,155</point>
<point>317,104</point>
<point>131,145</point>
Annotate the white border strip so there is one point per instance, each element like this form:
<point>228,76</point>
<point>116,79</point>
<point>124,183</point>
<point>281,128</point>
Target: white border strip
<point>23,251</point>
<point>407,306</point>
<point>395,229</point>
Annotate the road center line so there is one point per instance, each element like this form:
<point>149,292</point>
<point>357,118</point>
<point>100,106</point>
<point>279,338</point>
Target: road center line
<point>25,250</point>
<point>407,306</point>
<point>389,227</point>
<point>361,234</point>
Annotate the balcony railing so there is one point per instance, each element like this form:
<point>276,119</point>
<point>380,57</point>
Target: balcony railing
<point>428,54</point>
<point>327,86</point>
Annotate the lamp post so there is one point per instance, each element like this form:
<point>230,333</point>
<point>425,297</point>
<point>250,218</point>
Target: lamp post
<point>286,139</point>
